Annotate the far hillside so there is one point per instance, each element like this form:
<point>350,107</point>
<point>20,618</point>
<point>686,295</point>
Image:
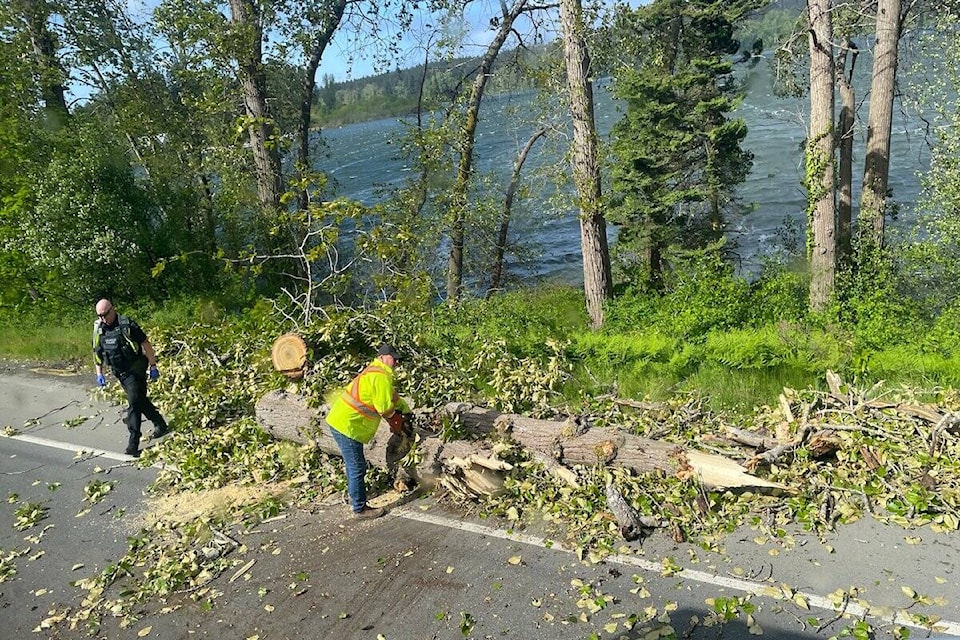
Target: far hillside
<point>396,93</point>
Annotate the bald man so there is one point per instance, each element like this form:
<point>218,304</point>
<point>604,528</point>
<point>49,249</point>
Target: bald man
<point>121,344</point>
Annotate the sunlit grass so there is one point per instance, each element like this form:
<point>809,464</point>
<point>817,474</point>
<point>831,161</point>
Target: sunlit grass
<point>67,335</point>
<point>46,339</point>
<point>740,391</point>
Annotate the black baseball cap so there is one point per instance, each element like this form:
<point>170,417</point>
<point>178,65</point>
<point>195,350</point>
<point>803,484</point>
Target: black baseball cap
<point>388,350</point>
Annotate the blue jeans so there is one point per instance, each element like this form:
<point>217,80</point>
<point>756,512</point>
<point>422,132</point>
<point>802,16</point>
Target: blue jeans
<point>356,463</point>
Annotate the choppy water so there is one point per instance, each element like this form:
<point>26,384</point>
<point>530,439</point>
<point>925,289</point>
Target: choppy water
<point>363,159</point>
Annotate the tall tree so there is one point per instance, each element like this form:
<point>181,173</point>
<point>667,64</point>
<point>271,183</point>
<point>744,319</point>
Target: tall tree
<point>321,21</point>
<point>247,23</point>
<point>34,17</point>
<point>466,144</point>
<point>876,171</point>
<point>678,156</point>
<point>934,264</point>
<point>845,134</point>
<point>80,216</point>
<point>500,248</point>
<point>819,155</point>
<point>597,277</point>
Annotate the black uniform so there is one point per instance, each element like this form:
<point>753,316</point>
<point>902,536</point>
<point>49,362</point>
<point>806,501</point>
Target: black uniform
<point>118,345</point>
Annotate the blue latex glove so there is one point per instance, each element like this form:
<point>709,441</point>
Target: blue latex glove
<point>101,380</point>
<point>154,372</point>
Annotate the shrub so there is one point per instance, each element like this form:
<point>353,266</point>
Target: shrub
<point>909,364</point>
<point>944,336</point>
<point>779,294</point>
<point>702,294</point>
<point>616,349</point>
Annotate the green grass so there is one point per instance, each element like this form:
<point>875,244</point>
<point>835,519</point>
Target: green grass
<point>37,336</point>
<point>36,333</point>
<point>739,391</point>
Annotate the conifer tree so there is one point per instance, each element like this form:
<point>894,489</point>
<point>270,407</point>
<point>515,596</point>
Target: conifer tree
<point>677,154</point>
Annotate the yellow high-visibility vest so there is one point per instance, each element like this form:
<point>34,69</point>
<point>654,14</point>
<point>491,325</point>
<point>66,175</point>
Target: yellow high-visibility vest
<point>357,409</point>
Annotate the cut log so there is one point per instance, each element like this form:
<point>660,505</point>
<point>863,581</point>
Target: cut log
<point>571,443</point>
<point>289,355</point>
<point>287,416</point>
<point>563,444</point>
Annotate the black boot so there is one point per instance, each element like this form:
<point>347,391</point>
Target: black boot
<point>133,445</point>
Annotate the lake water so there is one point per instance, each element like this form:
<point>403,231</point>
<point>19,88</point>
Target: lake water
<point>362,160</point>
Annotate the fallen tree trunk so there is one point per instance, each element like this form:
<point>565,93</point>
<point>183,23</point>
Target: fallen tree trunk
<point>472,465</point>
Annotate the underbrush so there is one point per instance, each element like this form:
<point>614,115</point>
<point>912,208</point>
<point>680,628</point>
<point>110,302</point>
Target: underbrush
<point>735,343</point>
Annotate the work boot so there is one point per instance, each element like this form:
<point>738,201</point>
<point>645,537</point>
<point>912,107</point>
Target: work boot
<point>368,513</point>
<point>133,445</point>
<point>161,431</point>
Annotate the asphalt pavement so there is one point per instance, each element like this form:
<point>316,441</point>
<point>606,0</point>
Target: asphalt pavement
<point>425,571</point>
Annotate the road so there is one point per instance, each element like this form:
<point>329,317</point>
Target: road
<point>424,571</point>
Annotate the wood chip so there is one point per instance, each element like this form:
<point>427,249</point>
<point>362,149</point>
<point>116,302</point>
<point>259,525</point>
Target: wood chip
<point>242,570</point>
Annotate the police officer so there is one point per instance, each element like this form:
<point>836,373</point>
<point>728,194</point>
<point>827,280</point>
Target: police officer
<point>120,343</point>
<point>354,417</point>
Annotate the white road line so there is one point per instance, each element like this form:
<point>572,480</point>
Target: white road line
<point>66,446</point>
<point>746,586</point>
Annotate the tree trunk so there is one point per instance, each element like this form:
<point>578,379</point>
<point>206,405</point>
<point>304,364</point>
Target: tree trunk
<point>473,464</point>
<point>597,279</point>
<point>50,73</point>
<point>820,158</point>
<point>845,144</point>
<point>496,272</point>
<point>876,170</point>
<point>260,126</point>
<point>461,187</point>
<point>420,186</point>
<point>330,20</point>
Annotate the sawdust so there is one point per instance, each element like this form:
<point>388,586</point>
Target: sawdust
<point>211,502</point>
<point>61,372</point>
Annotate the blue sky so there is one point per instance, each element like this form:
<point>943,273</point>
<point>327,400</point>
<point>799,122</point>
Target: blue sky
<point>475,28</point>
<point>345,59</point>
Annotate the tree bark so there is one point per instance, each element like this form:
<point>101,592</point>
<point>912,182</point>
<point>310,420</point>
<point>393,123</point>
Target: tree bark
<point>461,187</point>
<point>329,21</point>
<point>559,445</point>
<point>496,272</point>
<point>820,157</point>
<point>597,278</point>
<point>876,170</point>
<point>260,126</point>
<point>845,145</point>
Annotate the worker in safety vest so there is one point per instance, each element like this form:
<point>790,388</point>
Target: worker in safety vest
<point>355,415</point>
